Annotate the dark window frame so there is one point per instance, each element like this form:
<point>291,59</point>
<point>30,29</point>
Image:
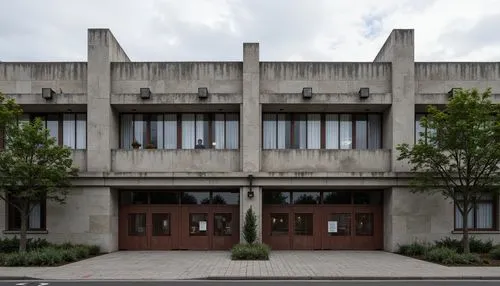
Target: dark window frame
<point>210,116</point>
<point>291,116</point>
<point>60,122</point>
<point>180,194</point>
<point>291,196</point>
<point>11,212</point>
<point>494,214</point>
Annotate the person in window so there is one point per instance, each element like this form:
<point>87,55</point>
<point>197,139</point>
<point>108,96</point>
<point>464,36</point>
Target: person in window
<point>199,145</point>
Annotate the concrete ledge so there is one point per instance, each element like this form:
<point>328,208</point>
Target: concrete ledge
<point>28,232</point>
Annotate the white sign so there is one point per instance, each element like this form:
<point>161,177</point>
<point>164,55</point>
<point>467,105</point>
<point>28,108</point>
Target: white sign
<point>332,226</point>
<point>202,225</point>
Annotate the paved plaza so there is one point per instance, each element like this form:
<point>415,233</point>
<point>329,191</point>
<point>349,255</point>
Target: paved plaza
<point>169,265</point>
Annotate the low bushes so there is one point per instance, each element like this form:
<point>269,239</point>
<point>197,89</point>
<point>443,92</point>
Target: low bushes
<point>495,253</point>
<point>449,251</point>
<point>414,249</point>
<point>250,252</point>
<point>42,253</point>
<point>476,245</point>
<point>449,256</point>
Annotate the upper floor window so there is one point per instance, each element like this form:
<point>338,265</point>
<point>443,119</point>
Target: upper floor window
<point>421,132</point>
<point>322,131</point>
<point>69,129</point>
<point>180,131</point>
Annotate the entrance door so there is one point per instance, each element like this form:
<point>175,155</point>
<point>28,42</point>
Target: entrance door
<point>161,220</point>
<point>348,220</point>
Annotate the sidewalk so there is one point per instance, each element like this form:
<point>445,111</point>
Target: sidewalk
<point>170,265</point>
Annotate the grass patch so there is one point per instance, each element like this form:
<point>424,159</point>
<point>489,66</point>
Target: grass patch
<point>250,252</point>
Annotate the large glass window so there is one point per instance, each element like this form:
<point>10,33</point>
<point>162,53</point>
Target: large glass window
<point>180,131</point>
<point>317,131</point>
<point>36,218</point>
<point>69,129</point>
<point>481,216</point>
<point>169,197</point>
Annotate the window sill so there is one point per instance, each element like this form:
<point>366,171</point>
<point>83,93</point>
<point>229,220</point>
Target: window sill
<point>28,232</point>
<point>477,232</point>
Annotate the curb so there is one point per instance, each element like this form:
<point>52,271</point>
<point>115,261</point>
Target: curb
<point>366,278</point>
<point>18,278</point>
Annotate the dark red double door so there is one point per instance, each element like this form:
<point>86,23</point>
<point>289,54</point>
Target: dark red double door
<point>178,227</point>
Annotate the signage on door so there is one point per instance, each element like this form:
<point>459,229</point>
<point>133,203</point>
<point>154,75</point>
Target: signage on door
<point>332,226</point>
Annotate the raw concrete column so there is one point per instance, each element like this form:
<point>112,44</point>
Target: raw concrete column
<point>399,122</point>
<point>101,120</point>
<point>251,131</point>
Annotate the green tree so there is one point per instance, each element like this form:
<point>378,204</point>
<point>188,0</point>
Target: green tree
<point>9,111</point>
<point>250,227</point>
<point>459,154</point>
<point>33,168</point>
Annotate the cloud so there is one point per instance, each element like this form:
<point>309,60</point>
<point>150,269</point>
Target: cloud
<point>194,30</point>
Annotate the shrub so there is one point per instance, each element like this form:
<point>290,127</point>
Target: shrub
<point>250,252</point>
<point>250,227</point>
<point>11,245</point>
<point>414,249</point>
<point>475,245</point>
<point>495,253</point>
<point>448,256</point>
<point>479,246</point>
<point>49,256</point>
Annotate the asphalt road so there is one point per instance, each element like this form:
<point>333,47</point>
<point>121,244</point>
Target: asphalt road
<point>251,283</point>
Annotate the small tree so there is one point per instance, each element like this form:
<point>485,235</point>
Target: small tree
<point>459,154</point>
<point>33,168</point>
<point>9,111</point>
<point>250,227</point>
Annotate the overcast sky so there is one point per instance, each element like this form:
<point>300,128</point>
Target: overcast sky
<point>301,30</point>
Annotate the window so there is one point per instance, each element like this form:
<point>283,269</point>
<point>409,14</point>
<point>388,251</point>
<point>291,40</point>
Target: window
<point>167,197</point>
<point>180,131</point>
<point>279,224</point>
<point>36,219</point>
<point>161,224</point>
<point>137,224</point>
<point>222,224</point>
<point>321,131</point>
<point>69,129</point>
<point>303,224</point>
<point>198,224</point>
<point>481,216</point>
<point>419,130</point>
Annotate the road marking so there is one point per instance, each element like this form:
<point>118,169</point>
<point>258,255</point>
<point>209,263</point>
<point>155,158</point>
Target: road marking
<point>21,284</point>
<point>43,284</point>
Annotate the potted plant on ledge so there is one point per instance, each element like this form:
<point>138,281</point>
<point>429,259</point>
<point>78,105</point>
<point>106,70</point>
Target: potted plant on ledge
<point>150,146</point>
<point>135,144</point>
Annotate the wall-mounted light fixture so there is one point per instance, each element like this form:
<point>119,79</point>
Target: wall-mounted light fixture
<point>202,92</point>
<point>145,93</point>
<point>364,92</point>
<point>307,92</point>
<point>47,93</point>
<point>250,193</point>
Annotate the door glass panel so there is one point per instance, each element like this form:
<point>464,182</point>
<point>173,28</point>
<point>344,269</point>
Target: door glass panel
<point>304,224</point>
<point>198,224</point>
<point>279,224</point>
<point>276,198</point>
<point>166,198</point>
<point>364,224</point>
<point>222,224</point>
<point>339,224</point>
<point>161,224</point>
<point>195,198</point>
<point>137,224</point>
<point>226,198</point>
<point>306,198</point>
<point>337,198</point>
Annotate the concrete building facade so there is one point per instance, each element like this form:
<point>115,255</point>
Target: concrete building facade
<point>309,146</point>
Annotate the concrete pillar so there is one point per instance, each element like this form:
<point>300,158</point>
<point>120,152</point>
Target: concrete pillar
<point>251,130</point>
<point>400,118</point>
<point>256,204</point>
<point>102,126</point>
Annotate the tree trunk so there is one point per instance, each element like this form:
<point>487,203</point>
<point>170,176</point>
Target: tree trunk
<point>24,226</point>
<point>465,227</point>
